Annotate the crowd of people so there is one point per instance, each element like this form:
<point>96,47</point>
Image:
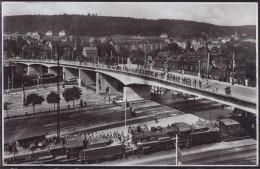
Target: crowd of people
<point>210,123</point>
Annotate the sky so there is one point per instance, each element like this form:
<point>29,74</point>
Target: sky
<point>228,14</point>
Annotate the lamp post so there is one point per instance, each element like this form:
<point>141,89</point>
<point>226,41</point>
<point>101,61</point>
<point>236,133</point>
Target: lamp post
<point>199,69</point>
<point>12,78</point>
<point>58,91</point>
<point>125,116</point>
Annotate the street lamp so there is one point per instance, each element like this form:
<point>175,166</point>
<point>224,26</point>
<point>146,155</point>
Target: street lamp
<point>199,70</point>
<point>125,116</point>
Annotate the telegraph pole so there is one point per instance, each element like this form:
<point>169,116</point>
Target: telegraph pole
<point>58,91</point>
<point>105,58</point>
<point>12,78</point>
<point>199,68</point>
<point>145,58</point>
<point>23,86</point>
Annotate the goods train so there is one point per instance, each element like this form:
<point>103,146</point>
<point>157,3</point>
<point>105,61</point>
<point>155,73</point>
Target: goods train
<point>141,141</point>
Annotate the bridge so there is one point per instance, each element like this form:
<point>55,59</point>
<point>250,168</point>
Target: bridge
<point>136,83</point>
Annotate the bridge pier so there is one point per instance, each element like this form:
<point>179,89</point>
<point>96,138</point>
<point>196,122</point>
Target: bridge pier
<point>54,70</point>
<point>106,84</point>
<point>88,78</point>
<point>34,69</point>
<point>70,72</point>
<point>137,92</point>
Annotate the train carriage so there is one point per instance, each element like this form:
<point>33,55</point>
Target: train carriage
<point>201,133</point>
<point>102,148</point>
<point>230,129</point>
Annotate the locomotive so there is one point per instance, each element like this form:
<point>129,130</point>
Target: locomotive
<point>142,141</point>
<point>159,138</point>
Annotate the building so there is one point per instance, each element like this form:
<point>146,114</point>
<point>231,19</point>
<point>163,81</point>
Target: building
<point>197,43</point>
<point>214,43</point>
<point>35,34</point>
<point>103,40</point>
<point>164,35</point>
<point>62,33</point>
<point>49,33</point>
<point>91,40</point>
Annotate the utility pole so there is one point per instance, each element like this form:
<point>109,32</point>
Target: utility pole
<point>117,59</point>
<point>58,91</point>
<point>111,58</point>
<point>12,78</point>
<point>8,82</point>
<point>41,75</point>
<point>233,65</point>
<point>105,58</point>
<point>199,68</point>
<point>208,65</point>
<point>23,86</point>
<point>145,58</point>
<point>125,116</point>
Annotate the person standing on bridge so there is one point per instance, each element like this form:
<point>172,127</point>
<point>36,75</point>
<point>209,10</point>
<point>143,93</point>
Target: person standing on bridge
<point>194,83</point>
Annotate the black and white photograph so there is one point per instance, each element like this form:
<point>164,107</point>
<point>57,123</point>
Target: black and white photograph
<point>130,84</point>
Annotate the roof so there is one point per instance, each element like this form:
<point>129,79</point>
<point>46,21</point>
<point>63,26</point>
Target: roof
<point>24,133</point>
<point>229,121</point>
<point>199,127</point>
<point>182,126</point>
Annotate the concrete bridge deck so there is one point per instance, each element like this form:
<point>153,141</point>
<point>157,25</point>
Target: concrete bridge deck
<point>242,97</point>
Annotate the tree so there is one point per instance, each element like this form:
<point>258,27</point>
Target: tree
<point>174,47</point>
<point>53,98</point>
<point>188,46</point>
<point>34,99</point>
<point>72,94</point>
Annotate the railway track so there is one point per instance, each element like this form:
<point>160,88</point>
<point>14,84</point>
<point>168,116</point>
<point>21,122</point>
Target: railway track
<point>215,156</point>
<point>242,155</point>
<point>104,117</point>
<point>50,118</point>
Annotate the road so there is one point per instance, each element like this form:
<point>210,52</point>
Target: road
<point>15,101</point>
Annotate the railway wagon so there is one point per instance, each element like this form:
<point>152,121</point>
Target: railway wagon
<point>202,134</point>
<point>183,130</point>
<point>100,149</point>
<point>162,143</point>
<point>209,136</point>
<point>229,128</point>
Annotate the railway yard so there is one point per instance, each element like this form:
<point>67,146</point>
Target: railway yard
<point>103,116</point>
